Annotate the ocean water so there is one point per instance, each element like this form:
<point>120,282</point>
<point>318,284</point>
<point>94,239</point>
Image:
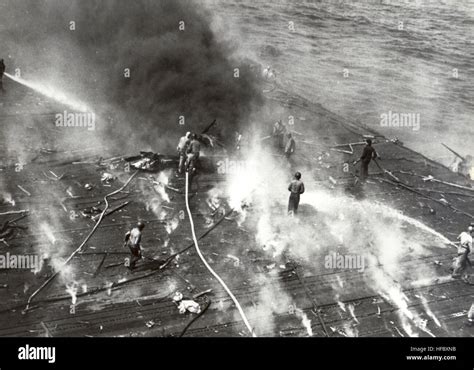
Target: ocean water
<point>366,59</point>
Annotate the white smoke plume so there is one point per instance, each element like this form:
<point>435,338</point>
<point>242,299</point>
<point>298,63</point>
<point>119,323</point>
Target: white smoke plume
<point>383,236</point>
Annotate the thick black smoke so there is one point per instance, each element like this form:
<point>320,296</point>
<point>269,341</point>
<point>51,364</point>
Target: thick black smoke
<point>173,72</point>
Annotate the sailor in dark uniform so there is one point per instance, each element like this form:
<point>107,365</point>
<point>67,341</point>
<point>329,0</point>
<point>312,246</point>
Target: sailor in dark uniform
<point>296,188</point>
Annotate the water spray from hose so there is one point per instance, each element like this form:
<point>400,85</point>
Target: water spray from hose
<point>52,93</point>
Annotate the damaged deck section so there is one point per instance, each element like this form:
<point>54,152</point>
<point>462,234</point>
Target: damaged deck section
<point>60,188</point>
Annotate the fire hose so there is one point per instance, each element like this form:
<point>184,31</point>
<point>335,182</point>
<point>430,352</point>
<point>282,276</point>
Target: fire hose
<point>237,304</point>
<point>35,293</point>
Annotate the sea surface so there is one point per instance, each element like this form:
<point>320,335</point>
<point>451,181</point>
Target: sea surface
<point>367,60</point>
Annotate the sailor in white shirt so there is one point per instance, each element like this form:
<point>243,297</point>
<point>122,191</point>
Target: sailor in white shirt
<point>461,261</point>
<point>133,242</point>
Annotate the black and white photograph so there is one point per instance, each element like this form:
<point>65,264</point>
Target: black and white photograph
<point>237,169</point>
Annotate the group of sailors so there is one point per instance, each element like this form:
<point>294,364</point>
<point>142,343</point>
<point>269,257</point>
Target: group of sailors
<point>188,150</point>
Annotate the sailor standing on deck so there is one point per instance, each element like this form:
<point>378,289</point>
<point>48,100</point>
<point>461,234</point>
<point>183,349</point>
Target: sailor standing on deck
<point>193,151</point>
<point>368,154</point>
<point>279,131</point>
<point>461,261</point>
<point>2,71</point>
<point>182,148</point>
<point>290,146</point>
<point>466,166</point>
<point>470,316</point>
<point>296,188</point>
<point>132,241</point>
